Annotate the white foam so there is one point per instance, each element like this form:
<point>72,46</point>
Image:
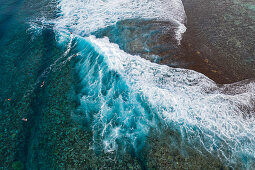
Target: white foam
<point>86,16</point>
<point>221,121</point>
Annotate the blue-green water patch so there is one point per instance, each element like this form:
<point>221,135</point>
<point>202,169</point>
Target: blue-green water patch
<point>123,98</point>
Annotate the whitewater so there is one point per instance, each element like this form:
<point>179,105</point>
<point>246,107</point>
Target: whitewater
<point>123,96</point>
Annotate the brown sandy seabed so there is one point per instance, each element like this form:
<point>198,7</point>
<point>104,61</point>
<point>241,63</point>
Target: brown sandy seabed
<point>218,43</point>
<point>220,39</point>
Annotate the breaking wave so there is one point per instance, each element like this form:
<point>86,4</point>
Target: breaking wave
<point>86,16</point>
<point>123,97</point>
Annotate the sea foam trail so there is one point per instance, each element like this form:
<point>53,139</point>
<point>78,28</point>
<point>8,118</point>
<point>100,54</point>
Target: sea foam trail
<point>86,16</point>
<point>124,96</point>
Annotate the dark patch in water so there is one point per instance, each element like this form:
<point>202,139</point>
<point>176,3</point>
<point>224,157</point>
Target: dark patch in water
<point>222,31</point>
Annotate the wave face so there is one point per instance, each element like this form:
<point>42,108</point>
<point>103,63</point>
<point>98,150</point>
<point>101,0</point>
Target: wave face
<point>86,16</point>
<point>123,97</point>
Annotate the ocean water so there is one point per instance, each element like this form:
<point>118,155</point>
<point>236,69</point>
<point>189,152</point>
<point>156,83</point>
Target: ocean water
<point>78,91</point>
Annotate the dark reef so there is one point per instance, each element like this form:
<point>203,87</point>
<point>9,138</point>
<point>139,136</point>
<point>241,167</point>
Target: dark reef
<point>219,42</point>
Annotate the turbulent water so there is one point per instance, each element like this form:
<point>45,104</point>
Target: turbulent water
<point>122,98</point>
<point>85,17</point>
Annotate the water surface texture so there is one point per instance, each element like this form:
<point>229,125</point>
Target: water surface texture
<point>124,85</point>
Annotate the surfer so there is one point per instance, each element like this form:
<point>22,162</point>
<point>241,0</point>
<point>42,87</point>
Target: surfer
<point>24,119</point>
<point>42,84</point>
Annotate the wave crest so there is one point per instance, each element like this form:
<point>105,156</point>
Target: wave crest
<point>124,96</point>
<point>86,16</point>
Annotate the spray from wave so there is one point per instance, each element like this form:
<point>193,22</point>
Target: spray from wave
<point>85,16</point>
<point>123,97</point>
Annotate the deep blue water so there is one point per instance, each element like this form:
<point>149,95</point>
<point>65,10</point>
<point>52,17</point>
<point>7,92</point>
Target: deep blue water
<point>69,99</point>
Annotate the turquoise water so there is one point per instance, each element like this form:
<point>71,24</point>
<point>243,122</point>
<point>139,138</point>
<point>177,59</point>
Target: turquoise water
<point>71,100</point>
